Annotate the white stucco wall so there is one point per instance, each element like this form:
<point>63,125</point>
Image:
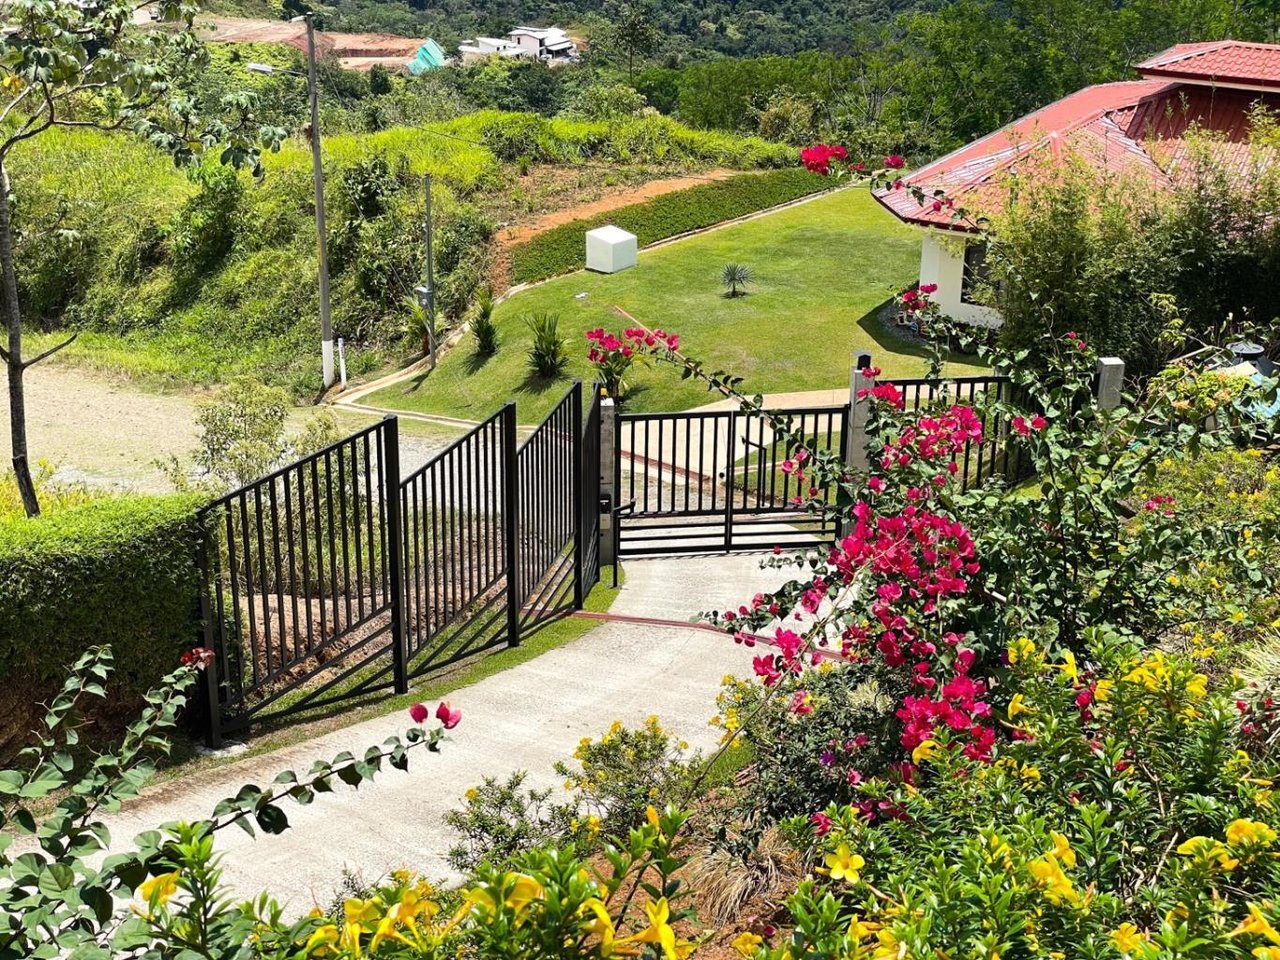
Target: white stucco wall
<point>942,262</point>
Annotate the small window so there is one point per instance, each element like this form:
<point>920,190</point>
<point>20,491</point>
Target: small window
<point>977,273</point>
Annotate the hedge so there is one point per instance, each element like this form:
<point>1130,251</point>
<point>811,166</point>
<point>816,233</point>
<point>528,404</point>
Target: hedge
<point>118,571</point>
<point>563,249</point>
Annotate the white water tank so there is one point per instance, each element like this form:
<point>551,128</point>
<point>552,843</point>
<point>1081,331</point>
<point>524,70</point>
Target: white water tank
<point>610,249</point>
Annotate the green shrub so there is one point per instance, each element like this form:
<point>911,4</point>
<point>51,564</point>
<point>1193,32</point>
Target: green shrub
<point>562,250</point>
<point>482,326</point>
<point>549,355</point>
<point>503,818</point>
<point>118,571</point>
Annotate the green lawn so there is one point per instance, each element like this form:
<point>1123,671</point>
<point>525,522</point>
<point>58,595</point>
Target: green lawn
<point>821,270</point>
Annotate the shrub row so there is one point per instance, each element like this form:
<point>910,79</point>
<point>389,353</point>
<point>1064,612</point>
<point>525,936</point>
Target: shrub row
<point>118,571</point>
<point>563,249</point>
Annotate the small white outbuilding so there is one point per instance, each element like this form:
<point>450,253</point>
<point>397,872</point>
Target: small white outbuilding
<point>610,249</point>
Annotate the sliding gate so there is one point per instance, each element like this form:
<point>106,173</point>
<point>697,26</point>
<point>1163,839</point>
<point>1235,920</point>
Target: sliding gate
<point>712,482</point>
<point>335,577</point>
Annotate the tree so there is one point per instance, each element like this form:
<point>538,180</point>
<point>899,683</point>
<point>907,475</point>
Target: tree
<point>631,31</point>
<point>65,63</point>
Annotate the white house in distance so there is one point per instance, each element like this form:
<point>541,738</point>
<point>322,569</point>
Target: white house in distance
<point>549,44</point>
<point>1131,126</point>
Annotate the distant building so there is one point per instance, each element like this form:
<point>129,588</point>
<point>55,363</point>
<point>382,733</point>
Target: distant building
<point>353,51</point>
<point>1131,126</point>
<point>549,44</point>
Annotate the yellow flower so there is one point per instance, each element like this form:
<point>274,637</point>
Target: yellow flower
<point>1030,773</point>
<point>1069,668</point>
<point>1257,925</point>
<point>659,932</point>
<point>1047,872</point>
<point>472,793</point>
<point>1128,938</point>
<point>844,864</point>
<point>927,750</point>
<point>747,943</point>
<point>1250,833</point>
<point>1018,705</point>
<point>1208,851</point>
<point>1102,690</point>
<point>1021,649</point>
<point>600,925</point>
<point>1198,686</point>
<point>651,815</point>
<point>159,889</point>
<point>1062,850</point>
<point>860,929</point>
<point>888,947</point>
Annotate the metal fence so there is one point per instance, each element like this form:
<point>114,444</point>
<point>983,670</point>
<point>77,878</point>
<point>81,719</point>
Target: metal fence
<point>714,481</point>
<point>994,456</point>
<point>333,578</point>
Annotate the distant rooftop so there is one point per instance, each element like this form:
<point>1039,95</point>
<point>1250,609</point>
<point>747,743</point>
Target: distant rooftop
<point>1220,62</point>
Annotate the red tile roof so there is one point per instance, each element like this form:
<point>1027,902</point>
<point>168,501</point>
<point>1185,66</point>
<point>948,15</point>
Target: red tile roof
<point>1218,62</point>
<point>1137,126</point>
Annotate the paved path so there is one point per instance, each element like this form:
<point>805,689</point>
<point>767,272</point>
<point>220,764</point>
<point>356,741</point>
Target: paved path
<point>524,718</point>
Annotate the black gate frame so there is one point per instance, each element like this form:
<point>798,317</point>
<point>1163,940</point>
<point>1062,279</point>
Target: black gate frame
<point>708,509</point>
<point>483,545</point>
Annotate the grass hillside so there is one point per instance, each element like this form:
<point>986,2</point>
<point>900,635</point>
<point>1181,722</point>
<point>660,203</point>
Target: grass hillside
<point>193,277</point>
<point>821,269</point>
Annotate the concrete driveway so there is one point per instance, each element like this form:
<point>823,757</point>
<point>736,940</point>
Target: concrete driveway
<point>524,718</point>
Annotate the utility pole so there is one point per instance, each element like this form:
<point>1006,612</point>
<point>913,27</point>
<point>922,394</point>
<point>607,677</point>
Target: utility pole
<point>427,292</point>
<point>322,242</point>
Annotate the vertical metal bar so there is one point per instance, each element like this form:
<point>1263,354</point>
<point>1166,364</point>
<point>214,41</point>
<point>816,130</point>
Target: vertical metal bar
<point>511,521</point>
<point>293,566</point>
<point>728,482</point>
<point>576,504</point>
<point>263,581</point>
<point>285,657</point>
<point>391,481</point>
<point>342,512</point>
<point>306,554</point>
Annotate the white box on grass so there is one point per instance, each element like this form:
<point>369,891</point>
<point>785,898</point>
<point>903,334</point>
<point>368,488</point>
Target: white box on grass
<point>610,249</point>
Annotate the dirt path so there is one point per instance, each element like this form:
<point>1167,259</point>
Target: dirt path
<point>511,236</point>
<point>110,433</point>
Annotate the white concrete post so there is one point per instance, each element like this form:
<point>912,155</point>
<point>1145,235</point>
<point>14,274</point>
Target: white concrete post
<point>608,478</point>
<point>1110,382</point>
<point>855,449</point>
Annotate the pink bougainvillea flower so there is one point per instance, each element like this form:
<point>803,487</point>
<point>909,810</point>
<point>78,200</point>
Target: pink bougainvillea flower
<point>927,288</point>
<point>418,713</point>
<point>821,824</point>
<point>449,716</point>
<point>894,162</point>
<point>1020,426</point>
<point>1038,422</point>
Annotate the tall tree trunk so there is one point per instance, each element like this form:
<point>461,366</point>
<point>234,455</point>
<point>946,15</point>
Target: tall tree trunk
<point>13,316</point>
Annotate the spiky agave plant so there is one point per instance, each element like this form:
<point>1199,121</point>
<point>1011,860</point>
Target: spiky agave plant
<point>735,276</point>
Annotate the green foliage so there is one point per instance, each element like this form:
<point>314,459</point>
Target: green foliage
<point>1037,852</point>
<point>61,897</point>
<point>735,277</point>
<point>53,496</point>
<point>549,353</point>
<point>627,771</point>
<point>117,570</point>
<point>502,819</point>
<point>561,249</point>
<point>483,328</point>
<point>1142,275</point>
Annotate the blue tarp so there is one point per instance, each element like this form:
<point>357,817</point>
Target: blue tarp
<point>430,56</point>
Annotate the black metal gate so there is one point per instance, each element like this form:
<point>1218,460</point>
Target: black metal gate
<point>712,482</point>
<point>333,578</point>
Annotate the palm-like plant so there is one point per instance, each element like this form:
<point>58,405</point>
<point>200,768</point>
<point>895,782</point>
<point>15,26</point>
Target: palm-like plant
<point>735,276</point>
<point>483,327</point>
<point>549,355</point>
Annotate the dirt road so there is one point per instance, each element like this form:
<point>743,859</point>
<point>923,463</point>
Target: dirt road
<point>110,433</point>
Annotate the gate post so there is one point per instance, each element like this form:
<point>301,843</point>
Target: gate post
<point>210,680</point>
<point>395,545</point>
<point>609,482</point>
<point>855,448</point>
<point>730,444</point>
<point>579,547</point>
<point>511,521</point>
